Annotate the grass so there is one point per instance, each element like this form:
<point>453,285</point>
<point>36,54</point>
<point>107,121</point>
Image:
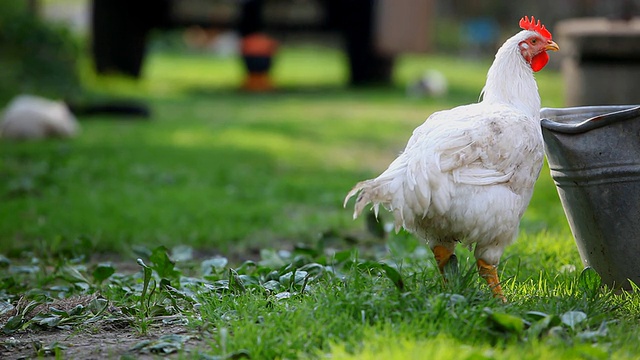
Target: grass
<point>219,172</point>
<point>216,167</point>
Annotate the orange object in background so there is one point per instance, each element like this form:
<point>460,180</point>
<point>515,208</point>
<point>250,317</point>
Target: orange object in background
<point>257,52</point>
<point>258,45</point>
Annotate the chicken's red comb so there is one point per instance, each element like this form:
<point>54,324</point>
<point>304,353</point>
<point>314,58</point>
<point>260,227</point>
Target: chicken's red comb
<point>533,26</point>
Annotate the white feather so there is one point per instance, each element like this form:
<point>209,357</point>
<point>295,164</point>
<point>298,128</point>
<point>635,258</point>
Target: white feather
<point>467,173</point>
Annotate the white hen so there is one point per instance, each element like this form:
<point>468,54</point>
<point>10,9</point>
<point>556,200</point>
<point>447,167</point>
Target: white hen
<point>467,174</point>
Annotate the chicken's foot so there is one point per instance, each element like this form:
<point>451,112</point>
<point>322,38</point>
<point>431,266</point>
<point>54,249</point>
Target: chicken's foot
<point>490,275</point>
<point>443,257</point>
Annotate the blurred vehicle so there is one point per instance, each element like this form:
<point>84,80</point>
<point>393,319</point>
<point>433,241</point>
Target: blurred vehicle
<point>374,32</point>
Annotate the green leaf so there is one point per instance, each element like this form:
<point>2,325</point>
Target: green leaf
<point>146,278</point>
<point>165,344</point>
<point>246,266</point>
<point>32,305</point>
<point>102,272</point>
<point>77,310</point>
<point>141,263</point>
<point>157,310</point>
<point>271,259</point>
<point>176,294</point>
<point>573,318</point>
<point>272,285</point>
<point>217,263</point>
<point>293,278</point>
<point>140,345</point>
<point>301,260</point>
<point>56,311</point>
<point>5,307</point>
<point>342,256</point>
<point>13,324</point>
<point>98,305</point>
<point>283,295</point>
<point>24,269</point>
<point>71,274</point>
<point>49,320</point>
<point>594,336</point>
<point>589,281</point>
<point>249,280</point>
<point>182,253</point>
<point>235,284</point>
<point>53,349</point>
<point>393,275</point>
<point>535,315</point>
<point>506,322</point>
<point>543,325</point>
<point>273,275</point>
<point>162,264</point>
<point>313,269</point>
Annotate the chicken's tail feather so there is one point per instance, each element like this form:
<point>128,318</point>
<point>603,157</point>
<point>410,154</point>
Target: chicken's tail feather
<point>367,193</point>
<point>376,193</point>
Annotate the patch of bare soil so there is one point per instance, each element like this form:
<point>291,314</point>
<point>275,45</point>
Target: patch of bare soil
<point>108,338</point>
<point>105,340</point>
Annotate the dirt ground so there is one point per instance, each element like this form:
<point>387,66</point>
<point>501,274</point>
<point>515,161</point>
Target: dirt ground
<point>113,337</point>
<point>108,340</point>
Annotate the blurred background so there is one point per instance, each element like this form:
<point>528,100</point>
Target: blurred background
<point>238,124</point>
<point>43,40</point>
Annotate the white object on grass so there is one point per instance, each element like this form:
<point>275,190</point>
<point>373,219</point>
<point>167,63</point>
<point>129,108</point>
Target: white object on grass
<point>32,117</point>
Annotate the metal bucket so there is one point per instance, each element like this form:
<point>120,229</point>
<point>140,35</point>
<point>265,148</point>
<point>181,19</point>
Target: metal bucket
<point>594,156</point>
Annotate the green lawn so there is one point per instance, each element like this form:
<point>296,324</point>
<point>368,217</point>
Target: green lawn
<point>235,174</point>
<point>216,167</point>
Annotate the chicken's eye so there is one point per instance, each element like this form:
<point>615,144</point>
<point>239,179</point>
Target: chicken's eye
<point>533,41</point>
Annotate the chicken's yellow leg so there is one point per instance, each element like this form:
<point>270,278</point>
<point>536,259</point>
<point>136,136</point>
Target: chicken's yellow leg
<point>442,255</point>
<point>490,274</point>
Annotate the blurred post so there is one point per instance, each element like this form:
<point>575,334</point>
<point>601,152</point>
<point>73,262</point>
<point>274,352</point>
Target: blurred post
<point>366,65</point>
<point>403,26</point>
<point>376,31</point>
<point>119,33</point>
<point>257,48</point>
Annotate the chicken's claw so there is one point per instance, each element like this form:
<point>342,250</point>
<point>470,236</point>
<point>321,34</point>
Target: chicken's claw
<point>490,274</point>
<point>442,255</point>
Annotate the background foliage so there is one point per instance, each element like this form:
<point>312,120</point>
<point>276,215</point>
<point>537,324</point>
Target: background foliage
<point>37,57</point>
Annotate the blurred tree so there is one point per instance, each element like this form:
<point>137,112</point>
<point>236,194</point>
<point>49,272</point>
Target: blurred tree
<point>36,57</point>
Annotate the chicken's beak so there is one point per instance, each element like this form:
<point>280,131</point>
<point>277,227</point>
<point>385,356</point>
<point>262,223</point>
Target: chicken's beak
<point>551,45</point>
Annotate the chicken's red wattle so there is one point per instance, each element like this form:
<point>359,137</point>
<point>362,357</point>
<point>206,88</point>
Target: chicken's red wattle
<point>539,61</point>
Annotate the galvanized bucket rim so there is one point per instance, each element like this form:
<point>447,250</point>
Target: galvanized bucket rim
<point>604,115</point>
